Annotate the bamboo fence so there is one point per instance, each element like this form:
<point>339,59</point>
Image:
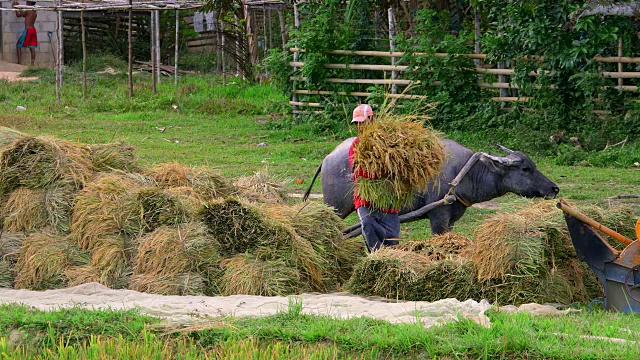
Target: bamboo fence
<point>394,80</point>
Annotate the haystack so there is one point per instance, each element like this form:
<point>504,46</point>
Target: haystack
<point>114,156</point>
<point>7,275</point>
<point>246,274</point>
<point>180,260</point>
<point>262,187</point>
<point>8,136</point>
<point>10,243</point>
<point>43,259</point>
<point>30,209</point>
<point>452,277</point>
<point>401,154</point>
<point>388,272</point>
<point>209,183</point>
<point>38,162</point>
<point>240,226</point>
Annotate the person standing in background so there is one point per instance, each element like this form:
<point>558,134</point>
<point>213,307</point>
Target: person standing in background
<point>29,37</point>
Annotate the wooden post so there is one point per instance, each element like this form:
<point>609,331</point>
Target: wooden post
<point>218,51</point>
<point>296,55</point>
<point>270,28</point>
<point>224,75</point>
<point>237,32</point>
<point>253,44</point>
<point>283,33</point>
<point>477,34</point>
<point>392,46</point>
<point>158,59</point>
<point>59,56</point>
<point>620,54</point>
<point>152,30</point>
<point>84,57</point>
<point>130,44</point>
<point>175,78</point>
<point>264,28</point>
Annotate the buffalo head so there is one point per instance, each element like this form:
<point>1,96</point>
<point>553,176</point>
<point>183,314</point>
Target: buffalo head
<point>519,175</point>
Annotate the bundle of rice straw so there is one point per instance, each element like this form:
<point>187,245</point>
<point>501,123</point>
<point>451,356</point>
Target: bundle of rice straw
<point>43,259</point>
<point>262,187</point>
<point>246,274</point>
<point>179,260</point>
<point>206,182</point>
<point>7,275</point>
<point>240,226</point>
<point>401,154</point>
<point>388,272</point>
<point>8,136</point>
<point>117,155</point>
<point>38,162</point>
<point>438,247</point>
<point>30,209</point>
<point>10,243</point>
<point>453,277</point>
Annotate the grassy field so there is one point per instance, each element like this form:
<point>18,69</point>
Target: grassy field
<point>239,129</point>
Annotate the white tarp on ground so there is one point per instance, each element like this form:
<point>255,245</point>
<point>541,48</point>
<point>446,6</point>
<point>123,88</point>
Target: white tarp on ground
<point>185,309</point>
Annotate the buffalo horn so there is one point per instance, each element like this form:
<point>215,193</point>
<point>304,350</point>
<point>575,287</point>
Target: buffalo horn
<point>502,160</point>
<point>505,149</point>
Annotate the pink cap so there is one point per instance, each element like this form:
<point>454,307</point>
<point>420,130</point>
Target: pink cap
<point>362,112</point>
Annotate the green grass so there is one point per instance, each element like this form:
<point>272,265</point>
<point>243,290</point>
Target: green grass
<point>77,333</point>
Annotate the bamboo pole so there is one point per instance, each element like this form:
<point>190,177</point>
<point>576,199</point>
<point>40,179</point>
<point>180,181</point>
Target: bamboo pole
<point>476,11</point>
<point>283,34</point>
<point>130,45</point>
<point>618,59</point>
<point>360,81</point>
<point>175,74</point>
<point>357,66</point>
<point>224,74</point>
<point>296,55</point>
<point>158,59</point>
<point>218,51</point>
<point>392,48</point>
<point>620,69</point>
<point>358,93</point>
<point>84,57</point>
<point>621,75</point>
<point>237,43</point>
<point>59,56</point>
<point>264,28</point>
<point>152,30</point>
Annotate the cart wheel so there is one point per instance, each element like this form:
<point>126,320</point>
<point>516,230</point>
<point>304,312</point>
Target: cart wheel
<point>629,288</point>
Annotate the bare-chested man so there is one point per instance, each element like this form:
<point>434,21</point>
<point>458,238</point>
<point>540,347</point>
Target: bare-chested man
<point>29,37</point>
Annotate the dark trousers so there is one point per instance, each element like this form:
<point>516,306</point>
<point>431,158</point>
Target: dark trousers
<point>378,227</point>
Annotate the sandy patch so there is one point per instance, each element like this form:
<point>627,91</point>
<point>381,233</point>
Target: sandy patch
<point>187,309</point>
<point>11,72</point>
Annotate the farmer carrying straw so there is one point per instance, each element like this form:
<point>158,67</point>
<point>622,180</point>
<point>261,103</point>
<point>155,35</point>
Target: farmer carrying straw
<point>29,37</point>
<point>380,227</point>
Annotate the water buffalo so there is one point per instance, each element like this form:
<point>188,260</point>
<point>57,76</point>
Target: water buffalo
<point>490,177</point>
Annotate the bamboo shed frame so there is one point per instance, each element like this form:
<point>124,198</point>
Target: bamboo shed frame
<point>153,7</point>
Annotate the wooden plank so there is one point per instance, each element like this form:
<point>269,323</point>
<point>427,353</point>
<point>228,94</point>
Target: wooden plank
<point>360,81</point>
<point>357,93</point>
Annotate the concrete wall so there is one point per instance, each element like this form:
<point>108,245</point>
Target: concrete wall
<point>12,27</point>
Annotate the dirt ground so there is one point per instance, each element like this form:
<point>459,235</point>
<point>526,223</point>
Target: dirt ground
<point>11,72</point>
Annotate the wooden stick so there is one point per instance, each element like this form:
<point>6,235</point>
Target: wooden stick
<point>238,36</point>
<point>296,55</point>
<point>566,208</point>
<point>283,34</point>
<point>224,76</point>
<point>357,66</point>
<point>84,57</point>
<point>152,29</point>
<point>621,75</point>
<point>157,31</point>
<point>392,48</point>
<point>357,93</point>
<point>175,74</point>
<point>618,59</point>
<point>360,81</point>
<point>620,69</point>
<point>130,44</point>
<point>300,103</point>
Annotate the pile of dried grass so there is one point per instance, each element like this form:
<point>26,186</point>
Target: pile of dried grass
<point>10,243</point>
<point>180,260</point>
<point>208,183</point>
<point>38,162</point>
<point>114,156</point>
<point>28,209</point>
<point>262,187</point>
<point>8,136</point>
<point>452,277</point>
<point>388,272</point>
<point>43,259</point>
<point>401,154</point>
<point>246,274</point>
